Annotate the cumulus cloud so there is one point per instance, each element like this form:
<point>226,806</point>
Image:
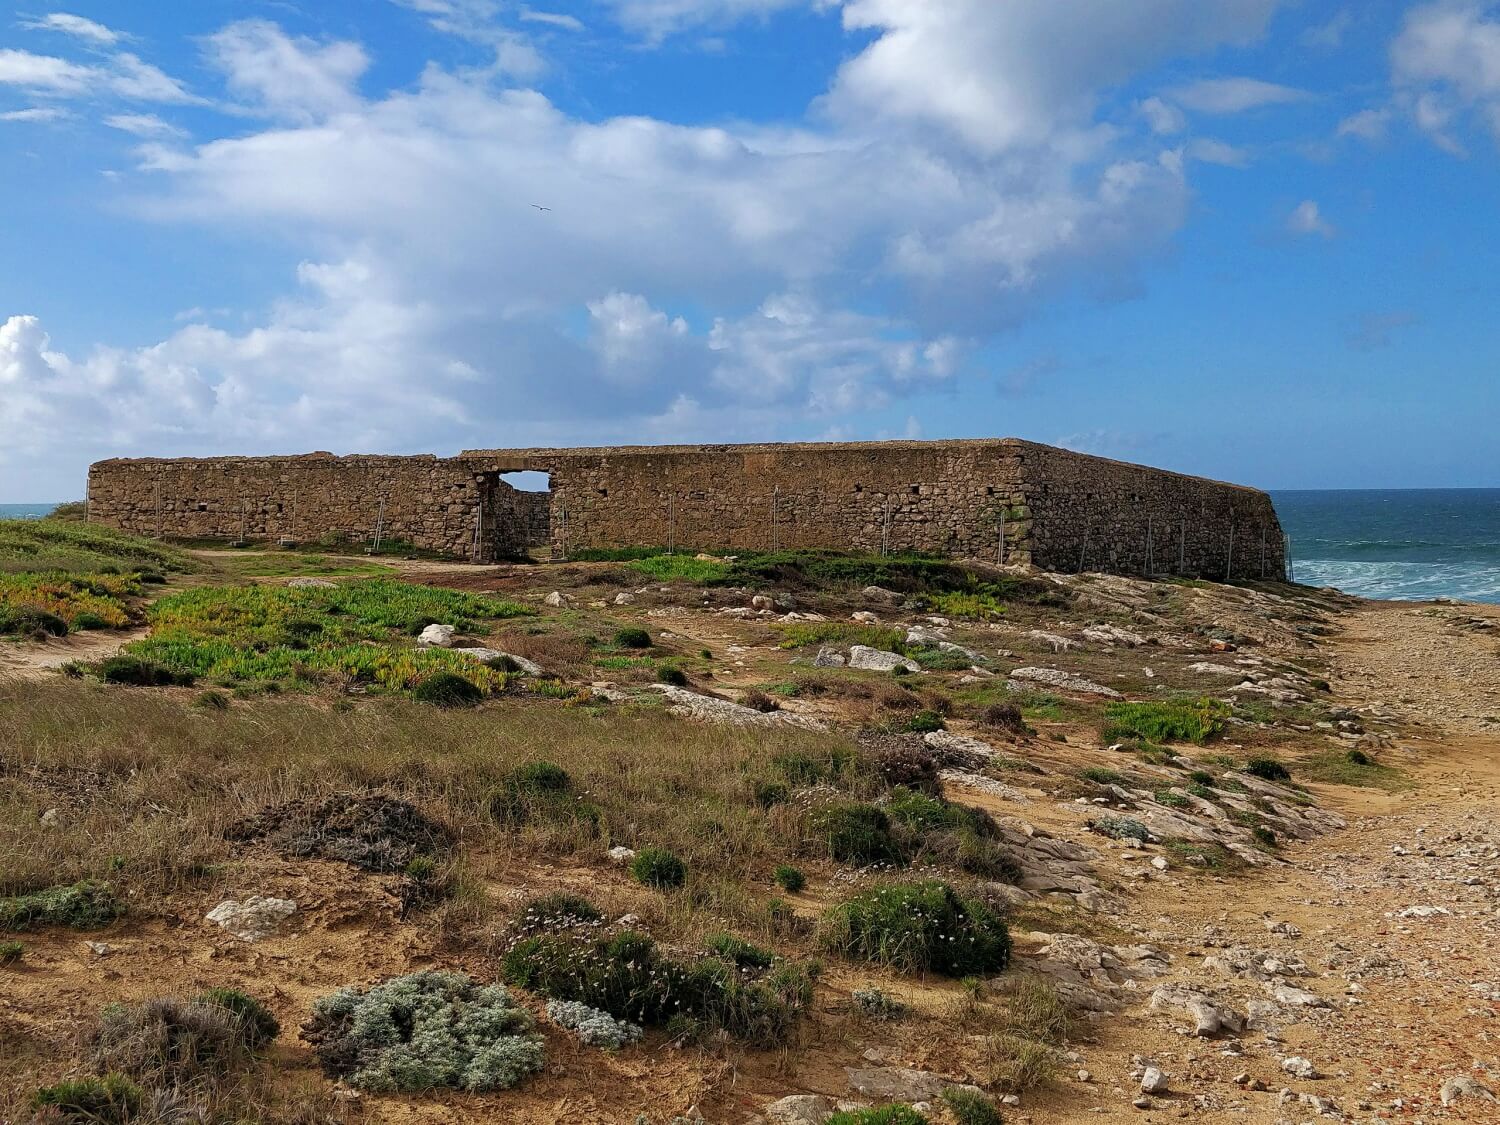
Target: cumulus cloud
<point>1162,116</point>
<point>1367,125</point>
<point>283,76</point>
<point>1002,75</point>
<point>123,75</point>
<point>1446,62</point>
<point>1307,219</point>
<point>1234,95</point>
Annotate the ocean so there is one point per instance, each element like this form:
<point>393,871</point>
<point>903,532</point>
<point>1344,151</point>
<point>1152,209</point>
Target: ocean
<point>24,511</point>
<point>1404,544</point>
<point>1380,543</point>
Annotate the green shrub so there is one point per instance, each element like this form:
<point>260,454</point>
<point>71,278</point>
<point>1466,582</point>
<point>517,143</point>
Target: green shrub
<point>1192,720</point>
<point>82,906</point>
<point>759,701</point>
<point>969,1107</point>
<point>632,637</point>
<point>212,700</point>
<point>1003,716</point>
<point>743,954</point>
<point>1264,835</point>
<point>447,689</point>
<point>1268,769</point>
<point>557,912</point>
<point>659,868</point>
<point>628,976</point>
<point>872,1003</point>
<point>801,767</point>
<point>908,764</point>
<point>884,1115</point>
<point>920,927</point>
<point>769,793</point>
<point>541,792</point>
<point>676,677</point>
<point>924,722</point>
<point>258,1025</point>
<point>1360,758</point>
<point>425,1031</point>
<point>790,879</point>
<point>111,1100</point>
<point>136,671</point>
<point>85,621</point>
<point>1121,828</point>
<point>29,621</point>
<point>684,568</point>
<point>11,952</point>
<point>1101,776</point>
<point>983,606</point>
<point>856,833</point>
<point>1172,800</point>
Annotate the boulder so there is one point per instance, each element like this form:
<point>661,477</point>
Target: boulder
<point>1153,1081</point>
<point>253,918</point>
<point>439,636</point>
<point>1056,677</point>
<point>902,1084</point>
<point>1462,1086</point>
<point>828,658</point>
<point>864,617</point>
<point>557,599</point>
<point>1209,1017</point>
<point>485,655</point>
<point>877,660</point>
<point>624,597</point>
<point>880,594</point>
<point>800,1109</point>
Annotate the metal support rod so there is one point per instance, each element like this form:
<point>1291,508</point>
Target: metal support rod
<point>885,530</point>
<point>1000,554</point>
<point>158,508</point>
<point>244,515</point>
<point>1083,548</point>
<point>379,524</point>
<point>775,527</point>
<point>671,523</point>
<point>1286,555</point>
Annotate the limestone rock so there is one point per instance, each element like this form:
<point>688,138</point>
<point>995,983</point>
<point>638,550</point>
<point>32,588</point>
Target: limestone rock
<point>877,660</point>
<point>690,704</point>
<point>253,918</point>
<point>864,617</point>
<point>1299,1067</point>
<point>1462,1086</point>
<point>1056,677</point>
<point>1209,1017</point>
<point>1153,1081</point>
<point>312,584</point>
<point>624,597</point>
<point>485,655</point>
<point>621,854</point>
<point>800,1109</point>
<point>557,599</point>
<point>1114,635</point>
<point>1052,640</point>
<point>439,636</point>
<point>880,594</point>
<point>902,1084</point>
<point>828,658</point>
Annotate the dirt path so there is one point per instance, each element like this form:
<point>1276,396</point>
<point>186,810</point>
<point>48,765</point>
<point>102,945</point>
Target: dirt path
<point>32,660</point>
<point>1396,918</point>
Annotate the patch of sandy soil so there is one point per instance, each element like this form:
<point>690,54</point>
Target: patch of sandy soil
<point>37,659</point>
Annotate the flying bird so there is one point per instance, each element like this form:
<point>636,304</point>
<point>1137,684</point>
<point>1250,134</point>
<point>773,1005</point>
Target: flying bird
<point>539,207</point>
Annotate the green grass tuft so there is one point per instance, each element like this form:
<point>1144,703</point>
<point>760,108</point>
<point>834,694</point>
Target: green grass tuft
<point>82,906</point>
<point>1192,720</point>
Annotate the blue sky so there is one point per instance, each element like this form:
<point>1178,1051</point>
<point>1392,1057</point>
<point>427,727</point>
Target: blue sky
<point>1253,239</point>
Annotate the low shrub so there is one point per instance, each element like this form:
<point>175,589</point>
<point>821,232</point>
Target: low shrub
<point>1360,758</point>
<point>424,1031</point>
<point>874,1004</point>
<point>593,1027</point>
<point>11,952</point>
<point>1192,720</point>
<point>909,764</point>
<point>919,927</point>
<point>659,868</point>
<point>790,879</point>
<point>82,906</point>
<point>1121,828</point>
<point>1003,716</point>
<point>258,1026</point>
<point>628,976</point>
<point>1268,769</point>
<point>447,689</point>
<point>557,912</point>
<point>925,722</point>
<point>136,671</point>
<point>29,621</point>
<point>111,1100</point>
<point>744,954</point>
<point>970,1107</point>
<point>1264,835</point>
<point>540,792</point>
<point>856,833</point>
<point>770,793</point>
<point>675,677</point>
<point>759,701</point>
<point>167,1040</point>
<point>801,767</point>
<point>212,700</point>
<point>632,637</point>
<point>884,1115</point>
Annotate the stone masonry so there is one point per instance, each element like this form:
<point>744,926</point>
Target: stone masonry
<point>1001,499</point>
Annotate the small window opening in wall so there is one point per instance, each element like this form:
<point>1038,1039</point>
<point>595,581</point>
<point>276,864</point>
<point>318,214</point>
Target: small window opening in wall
<point>202,507</point>
<point>604,492</point>
<point>989,490</point>
<point>859,488</point>
<point>915,489</point>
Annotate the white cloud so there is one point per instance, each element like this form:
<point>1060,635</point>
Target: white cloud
<point>142,125</point>
<point>551,19</point>
<point>77,26</point>
<point>35,114</point>
<point>1210,151</point>
<point>1446,61</point>
<point>1329,36</point>
<point>125,76</point>
<point>1234,95</point>
<point>657,19</point>
<point>1004,75</point>
<point>1162,116</point>
<point>292,78</point>
<point>1368,125</point>
<point>1307,219</point>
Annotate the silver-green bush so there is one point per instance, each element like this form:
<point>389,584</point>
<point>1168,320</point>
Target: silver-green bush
<point>425,1031</point>
<point>593,1027</point>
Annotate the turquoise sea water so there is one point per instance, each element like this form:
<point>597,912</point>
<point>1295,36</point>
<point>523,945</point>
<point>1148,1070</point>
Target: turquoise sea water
<point>24,511</point>
<point>1398,543</point>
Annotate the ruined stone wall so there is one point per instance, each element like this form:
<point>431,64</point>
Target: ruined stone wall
<point>430,503</point>
<point>992,499</point>
<point>1088,513</point>
<point>945,497</point>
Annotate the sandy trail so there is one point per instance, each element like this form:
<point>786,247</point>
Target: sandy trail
<point>34,660</point>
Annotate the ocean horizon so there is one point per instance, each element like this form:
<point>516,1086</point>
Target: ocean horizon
<point>1408,544</point>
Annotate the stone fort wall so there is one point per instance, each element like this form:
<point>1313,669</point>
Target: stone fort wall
<point>998,499</point>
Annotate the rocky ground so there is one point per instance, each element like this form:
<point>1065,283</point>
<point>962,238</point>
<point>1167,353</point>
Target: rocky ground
<point>1348,973</point>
